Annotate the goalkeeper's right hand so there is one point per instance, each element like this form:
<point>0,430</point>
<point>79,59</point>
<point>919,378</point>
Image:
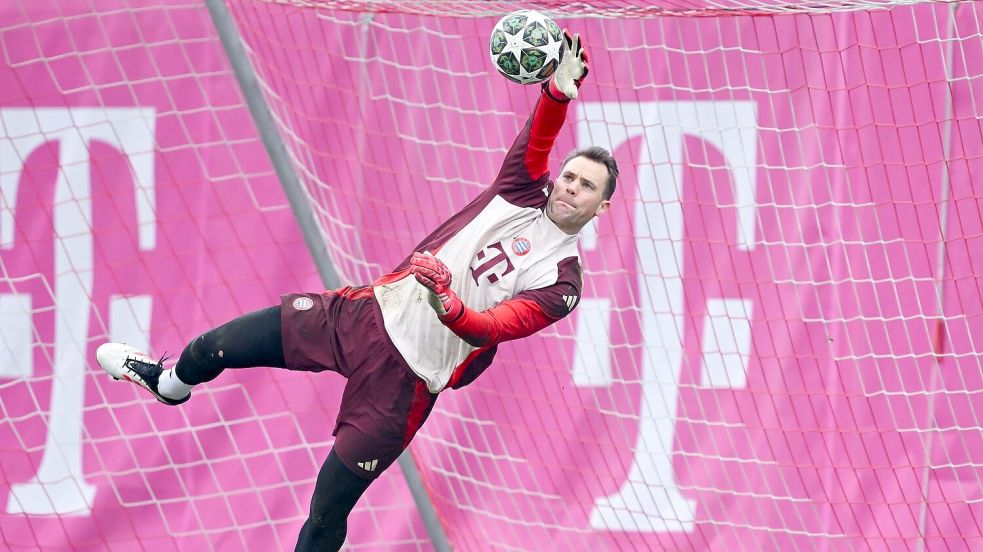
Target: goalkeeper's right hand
<point>573,67</point>
<point>434,275</point>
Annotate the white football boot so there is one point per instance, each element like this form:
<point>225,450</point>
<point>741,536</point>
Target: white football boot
<point>123,362</point>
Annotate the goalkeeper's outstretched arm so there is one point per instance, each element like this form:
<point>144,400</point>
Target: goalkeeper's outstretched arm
<point>527,161</point>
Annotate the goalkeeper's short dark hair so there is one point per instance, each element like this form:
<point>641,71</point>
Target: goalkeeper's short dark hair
<point>602,156</point>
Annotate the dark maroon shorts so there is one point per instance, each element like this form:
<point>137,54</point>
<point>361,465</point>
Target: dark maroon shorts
<point>384,403</point>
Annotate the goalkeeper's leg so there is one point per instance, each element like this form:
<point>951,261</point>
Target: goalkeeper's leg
<point>335,494</point>
<point>250,340</point>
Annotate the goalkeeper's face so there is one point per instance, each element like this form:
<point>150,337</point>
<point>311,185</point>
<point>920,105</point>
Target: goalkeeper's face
<point>578,194</point>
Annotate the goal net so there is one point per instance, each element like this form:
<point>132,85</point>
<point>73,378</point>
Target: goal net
<point>776,345</point>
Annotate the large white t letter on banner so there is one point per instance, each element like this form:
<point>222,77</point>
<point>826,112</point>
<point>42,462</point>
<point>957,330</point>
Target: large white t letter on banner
<point>59,486</point>
<point>650,498</point>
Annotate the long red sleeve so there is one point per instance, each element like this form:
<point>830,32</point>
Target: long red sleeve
<point>511,319</point>
<point>547,120</point>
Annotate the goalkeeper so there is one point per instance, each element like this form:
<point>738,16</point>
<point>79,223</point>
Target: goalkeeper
<point>503,268</point>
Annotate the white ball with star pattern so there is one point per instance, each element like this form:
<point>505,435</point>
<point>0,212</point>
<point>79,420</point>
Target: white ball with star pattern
<point>526,46</point>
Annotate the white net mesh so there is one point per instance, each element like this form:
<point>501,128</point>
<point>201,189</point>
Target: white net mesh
<point>595,8</point>
<point>775,349</point>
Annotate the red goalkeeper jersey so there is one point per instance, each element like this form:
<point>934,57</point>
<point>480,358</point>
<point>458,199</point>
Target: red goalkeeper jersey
<point>512,267</point>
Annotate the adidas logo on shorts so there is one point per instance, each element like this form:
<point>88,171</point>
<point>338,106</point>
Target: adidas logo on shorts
<point>368,465</point>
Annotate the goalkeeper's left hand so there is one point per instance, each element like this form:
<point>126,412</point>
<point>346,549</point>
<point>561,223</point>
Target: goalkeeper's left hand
<point>573,67</point>
<point>433,274</point>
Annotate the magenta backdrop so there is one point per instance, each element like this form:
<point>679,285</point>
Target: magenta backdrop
<point>856,426</point>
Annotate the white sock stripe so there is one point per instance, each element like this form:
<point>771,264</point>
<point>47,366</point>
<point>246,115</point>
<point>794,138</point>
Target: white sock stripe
<point>171,386</point>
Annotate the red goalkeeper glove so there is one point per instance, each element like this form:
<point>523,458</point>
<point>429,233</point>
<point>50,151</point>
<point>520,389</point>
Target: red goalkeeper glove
<point>434,275</point>
<point>573,68</point>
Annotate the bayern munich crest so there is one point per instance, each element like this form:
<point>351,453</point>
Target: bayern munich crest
<point>303,303</point>
<point>521,246</point>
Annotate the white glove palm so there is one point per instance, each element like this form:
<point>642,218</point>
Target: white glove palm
<point>573,67</point>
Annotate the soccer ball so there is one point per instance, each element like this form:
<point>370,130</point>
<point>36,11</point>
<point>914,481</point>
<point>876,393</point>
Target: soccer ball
<point>526,46</point>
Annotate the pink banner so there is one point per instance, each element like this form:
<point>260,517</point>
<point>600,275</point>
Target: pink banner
<point>139,204</point>
<point>775,348</point>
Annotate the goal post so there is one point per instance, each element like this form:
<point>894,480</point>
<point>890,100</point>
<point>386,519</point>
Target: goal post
<point>777,345</point>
